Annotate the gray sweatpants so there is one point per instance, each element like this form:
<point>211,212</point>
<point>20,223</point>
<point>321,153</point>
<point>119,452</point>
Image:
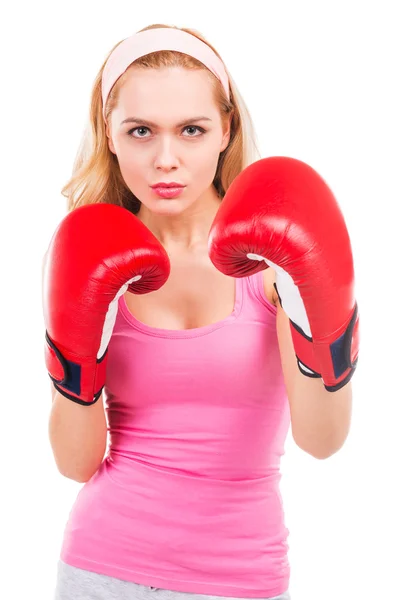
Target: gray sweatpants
<point>77,584</point>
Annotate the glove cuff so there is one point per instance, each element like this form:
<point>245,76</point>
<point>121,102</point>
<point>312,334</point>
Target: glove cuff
<point>334,359</point>
<point>78,379</point>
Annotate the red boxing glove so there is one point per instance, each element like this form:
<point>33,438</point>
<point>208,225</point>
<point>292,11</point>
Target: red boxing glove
<point>279,212</point>
<point>97,252</point>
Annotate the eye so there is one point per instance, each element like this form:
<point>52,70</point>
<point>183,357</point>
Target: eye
<point>142,127</point>
<point>195,127</point>
<point>136,129</point>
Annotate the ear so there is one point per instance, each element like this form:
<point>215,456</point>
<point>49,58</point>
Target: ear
<point>226,137</point>
<point>109,140</point>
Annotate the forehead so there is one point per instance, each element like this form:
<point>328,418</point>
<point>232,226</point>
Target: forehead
<point>172,89</point>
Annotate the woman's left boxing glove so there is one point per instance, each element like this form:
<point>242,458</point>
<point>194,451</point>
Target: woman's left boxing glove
<point>279,212</point>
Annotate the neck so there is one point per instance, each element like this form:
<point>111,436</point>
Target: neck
<point>187,231</point>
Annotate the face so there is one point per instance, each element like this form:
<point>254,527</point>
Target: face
<point>167,143</point>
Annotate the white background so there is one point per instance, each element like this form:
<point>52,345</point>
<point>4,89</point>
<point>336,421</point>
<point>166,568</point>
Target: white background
<point>321,82</point>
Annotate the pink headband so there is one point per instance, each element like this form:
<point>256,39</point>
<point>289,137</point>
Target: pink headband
<point>151,40</point>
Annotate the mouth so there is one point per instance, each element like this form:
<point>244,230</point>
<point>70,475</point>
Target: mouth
<point>168,192</point>
<point>168,184</point>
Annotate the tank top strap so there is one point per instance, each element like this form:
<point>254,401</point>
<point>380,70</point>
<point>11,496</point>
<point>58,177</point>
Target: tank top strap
<point>253,292</point>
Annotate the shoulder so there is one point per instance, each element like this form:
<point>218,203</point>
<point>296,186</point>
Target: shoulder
<point>269,290</point>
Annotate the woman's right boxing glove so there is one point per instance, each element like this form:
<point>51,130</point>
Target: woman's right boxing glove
<point>96,253</point>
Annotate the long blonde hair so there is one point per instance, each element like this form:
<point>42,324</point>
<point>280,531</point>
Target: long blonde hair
<point>96,176</point>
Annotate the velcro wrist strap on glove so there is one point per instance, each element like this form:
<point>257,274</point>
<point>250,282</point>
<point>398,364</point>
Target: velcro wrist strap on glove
<point>80,380</point>
<point>334,359</point>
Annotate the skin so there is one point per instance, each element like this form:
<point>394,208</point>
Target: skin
<point>166,152</point>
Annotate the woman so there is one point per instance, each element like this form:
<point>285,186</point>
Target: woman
<point>186,502</point>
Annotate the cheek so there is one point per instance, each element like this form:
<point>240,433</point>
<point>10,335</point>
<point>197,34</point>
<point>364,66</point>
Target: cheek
<point>204,157</point>
<point>131,163</point>
<point>133,174</point>
<point>206,164</point>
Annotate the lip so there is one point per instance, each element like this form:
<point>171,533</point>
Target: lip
<point>168,192</point>
<point>171,184</point>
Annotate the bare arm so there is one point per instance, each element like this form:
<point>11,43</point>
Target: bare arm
<point>78,436</point>
<point>320,419</point>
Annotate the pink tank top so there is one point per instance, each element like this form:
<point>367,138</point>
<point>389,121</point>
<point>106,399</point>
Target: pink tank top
<point>188,498</point>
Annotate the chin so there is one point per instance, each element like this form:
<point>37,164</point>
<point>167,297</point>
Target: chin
<point>166,207</point>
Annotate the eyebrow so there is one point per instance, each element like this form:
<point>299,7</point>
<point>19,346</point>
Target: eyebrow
<point>151,124</point>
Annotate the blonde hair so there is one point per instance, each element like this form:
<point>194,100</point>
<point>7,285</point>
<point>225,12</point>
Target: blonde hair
<point>96,176</point>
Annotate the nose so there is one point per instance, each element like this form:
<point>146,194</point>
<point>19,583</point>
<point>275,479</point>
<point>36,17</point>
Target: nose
<point>166,157</point>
